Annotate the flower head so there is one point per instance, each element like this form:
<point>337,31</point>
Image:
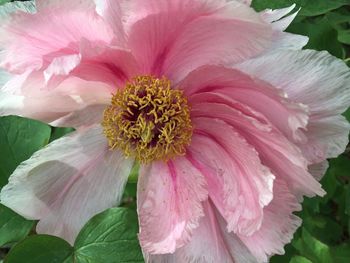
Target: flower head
<point>231,121</point>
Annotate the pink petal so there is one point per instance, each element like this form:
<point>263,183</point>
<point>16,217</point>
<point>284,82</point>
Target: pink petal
<point>66,183</point>
<point>29,41</point>
<point>131,11</point>
<point>112,12</point>
<point>286,116</point>
<point>278,226</point>
<point>169,204</point>
<point>174,43</point>
<point>275,150</point>
<point>29,96</point>
<point>239,185</point>
<point>111,65</point>
<point>324,89</point>
<point>69,85</point>
<point>218,93</point>
<point>210,244</point>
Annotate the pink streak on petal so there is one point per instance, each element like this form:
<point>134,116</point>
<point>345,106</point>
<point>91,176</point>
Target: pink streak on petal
<point>243,184</point>
<point>169,204</point>
<point>275,150</point>
<point>174,43</point>
<point>288,117</point>
<point>109,64</point>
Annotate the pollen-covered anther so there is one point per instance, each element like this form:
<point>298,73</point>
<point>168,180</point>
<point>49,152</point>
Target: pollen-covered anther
<point>148,120</point>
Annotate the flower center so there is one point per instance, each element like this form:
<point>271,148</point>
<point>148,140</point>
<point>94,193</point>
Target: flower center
<point>148,120</point>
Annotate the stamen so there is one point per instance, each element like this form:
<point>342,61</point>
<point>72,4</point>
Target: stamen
<point>148,120</point>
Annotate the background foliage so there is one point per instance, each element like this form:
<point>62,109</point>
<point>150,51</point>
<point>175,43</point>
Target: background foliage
<point>112,235</point>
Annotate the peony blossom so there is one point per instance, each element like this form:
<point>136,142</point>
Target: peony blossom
<point>230,121</point>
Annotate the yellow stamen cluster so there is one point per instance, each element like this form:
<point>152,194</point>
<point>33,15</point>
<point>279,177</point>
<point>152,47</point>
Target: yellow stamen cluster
<point>148,120</point>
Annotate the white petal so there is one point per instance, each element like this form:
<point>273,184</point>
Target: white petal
<point>329,135</point>
<point>271,16</point>
<point>89,115</point>
<point>284,22</point>
<point>318,80</point>
<point>67,182</point>
<point>318,170</point>
<point>62,65</point>
<point>314,78</point>
<point>10,104</point>
<point>4,77</point>
<point>284,40</point>
<point>247,2</point>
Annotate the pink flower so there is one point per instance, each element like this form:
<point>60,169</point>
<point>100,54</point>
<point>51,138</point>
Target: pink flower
<point>231,121</point>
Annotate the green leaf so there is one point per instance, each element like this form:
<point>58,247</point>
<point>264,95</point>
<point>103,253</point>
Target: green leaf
<point>13,228</point>
<point>289,252</point>
<point>347,114</point>
<point>4,1</point>
<point>41,249</point>
<point>19,139</point>
<point>134,174</point>
<point>347,200</point>
<point>322,35</point>
<point>340,167</point>
<point>312,248</point>
<point>319,226</point>
<point>300,259</point>
<point>341,253</point>
<point>130,190</point>
<point>110,237</point>
<point>329,183</point>
<point>344,36</point>
<point>129,196</point>
<point>340,20</point>
<point>57,132</point>
<point>308,7</point>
